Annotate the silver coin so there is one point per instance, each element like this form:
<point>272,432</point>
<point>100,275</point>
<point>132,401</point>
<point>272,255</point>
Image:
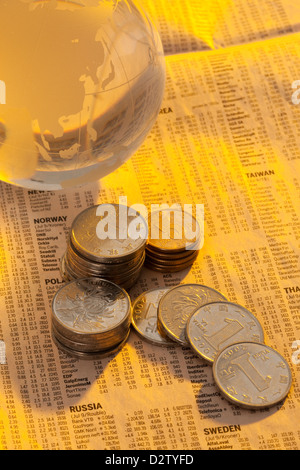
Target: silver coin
<point>106,273</point>
<point>65,272</point>
<point>118,245</point>
<point>71,269</point>
<point>118,262</point>
<point>92,345</point>
<point>91,342</point>
<point>91,306</point>
<point>219,324</point>
<point>252,375</point>
<point>96,355</point>
<point>144,317</point>
<point>177,305</point>
<point>76,345</point>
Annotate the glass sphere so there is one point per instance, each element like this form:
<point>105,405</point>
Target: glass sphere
<point>81,85</point>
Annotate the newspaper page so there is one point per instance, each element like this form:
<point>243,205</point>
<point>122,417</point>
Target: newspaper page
<point>227,137</point>
<point>192,25</point>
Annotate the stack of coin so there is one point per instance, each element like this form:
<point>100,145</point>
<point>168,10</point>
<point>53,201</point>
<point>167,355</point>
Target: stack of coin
<point>174,240</point>
<point>91,318</point>
<point>99,245</point>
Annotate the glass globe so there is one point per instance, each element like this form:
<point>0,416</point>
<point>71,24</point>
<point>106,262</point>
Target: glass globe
<point>81,85</point>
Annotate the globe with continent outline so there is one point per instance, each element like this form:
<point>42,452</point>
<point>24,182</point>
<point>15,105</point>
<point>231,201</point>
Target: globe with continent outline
<point>81,85</point>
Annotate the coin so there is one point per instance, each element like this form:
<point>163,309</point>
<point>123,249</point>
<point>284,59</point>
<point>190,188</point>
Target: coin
<point>175,268</point>
<point>91,310</point>
<point>88,346</point>
<point>173,230</point>
<point>63,268</point>
<point>218,324</point>
<point>144,317</point>
<point>177,305</point>
<point>191,256</point>
<point>174,240</point>
<point>117,254</point>
<point>92,355</point>
<point>168,256</point>
<point>73,255</point>
<point>66,273</point>
<point>252,375</point>
<point>118,243</point>
<point>116,273</point>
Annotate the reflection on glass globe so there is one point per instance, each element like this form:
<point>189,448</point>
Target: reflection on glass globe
<point>81,84</point>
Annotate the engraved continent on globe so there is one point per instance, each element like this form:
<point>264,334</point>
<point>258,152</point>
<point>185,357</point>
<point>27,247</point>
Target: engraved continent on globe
<point>84,81</point>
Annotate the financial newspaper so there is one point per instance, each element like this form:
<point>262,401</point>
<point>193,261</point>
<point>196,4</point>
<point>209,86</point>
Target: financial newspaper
<point>227,137</point>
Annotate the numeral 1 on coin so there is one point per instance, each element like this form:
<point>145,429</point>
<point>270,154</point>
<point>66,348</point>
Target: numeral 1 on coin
<point>251,372</point>
<point>231,329</point>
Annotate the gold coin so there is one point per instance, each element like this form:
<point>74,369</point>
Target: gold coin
<point>172,262</point>
<point>165,268</point>
<point>168,230</point>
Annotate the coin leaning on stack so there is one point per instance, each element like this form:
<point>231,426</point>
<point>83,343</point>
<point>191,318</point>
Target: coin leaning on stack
<point>111,255</point>
<point>169,247</point>
<point>91,318</point>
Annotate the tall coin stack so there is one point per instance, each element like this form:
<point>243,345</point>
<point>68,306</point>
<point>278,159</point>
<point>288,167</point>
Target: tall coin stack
<point>106,241</point>
<point>91,318</point>
<point>174,240</point>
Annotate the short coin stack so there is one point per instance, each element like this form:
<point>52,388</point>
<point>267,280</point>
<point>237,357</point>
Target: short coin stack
<point>174,240</point>
<point>224,334</point>
<point>91,318</point>
<point>111,254</point>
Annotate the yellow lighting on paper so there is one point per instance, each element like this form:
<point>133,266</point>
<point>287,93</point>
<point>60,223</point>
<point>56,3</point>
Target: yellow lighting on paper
<point>196,18</point>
